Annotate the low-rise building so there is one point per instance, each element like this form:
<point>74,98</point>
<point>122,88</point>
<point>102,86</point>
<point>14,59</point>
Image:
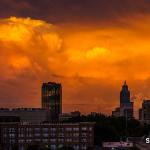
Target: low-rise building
<point>77,135</point>
<point>32,115</point>
<point>67,116</point>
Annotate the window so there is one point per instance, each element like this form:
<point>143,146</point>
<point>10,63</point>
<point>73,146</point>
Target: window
<point>21,129</point>
<point>90,128</point>
<point>12,141</point>
<point>76,129</point>
<point>52,134</point>
<point>29,129</point>
<point>68,129</point>
<point>37,134</point>
<point>29,135</point>
<point>76,140</point>
<point>29,140</point>
<point>75,134</point>
<point>68,140</point>
<point>37,129</point>
<point>37,140</point>
<point>83,147</point>
<point>84,135</point>
<point>61,134</point>
<point>61,129</point>
<point>60,140</point>
<point>45,129</point>
<point>45,134</point>
<point>84,128</point>
<point>53,147</point>
<point>45,140</point>
<point>11,135</point>
<point>84,140</point>
<point>53,140</point>
<point>11,130</point>
<point>76,147</point>
<point>53,129</point>
<point>21,135</point>
<point>21,141</point>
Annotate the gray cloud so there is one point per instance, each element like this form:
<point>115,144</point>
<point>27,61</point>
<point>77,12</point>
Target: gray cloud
<point>73,10</point>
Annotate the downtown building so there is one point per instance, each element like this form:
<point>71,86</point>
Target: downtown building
<point>52,99</point>
<point>32,115</point>
<point>144,112</point>
<point>126,106</point>
<point>68,116</point>
<point>80,136</point>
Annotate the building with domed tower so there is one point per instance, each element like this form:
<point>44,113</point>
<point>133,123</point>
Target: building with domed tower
<point>126,105</point>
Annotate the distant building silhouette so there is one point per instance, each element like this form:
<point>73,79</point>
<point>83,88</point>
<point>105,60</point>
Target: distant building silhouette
<point>126,106</point>
<point>144,112</point>
<point>32,115</point>
<point>124,94</point>
<point>67,116</point>
<point>52,99</point>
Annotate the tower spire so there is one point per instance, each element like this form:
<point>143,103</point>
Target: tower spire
<point>125,83</point>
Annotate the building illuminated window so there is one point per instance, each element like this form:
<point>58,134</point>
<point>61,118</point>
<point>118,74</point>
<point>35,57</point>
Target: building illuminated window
<point>68,140</point>
<point>45,140</point>
<point>68,129</point>
<point>37,129</point>
<point>37,134</point>
<point>45,129</point>
<point>75,134</point>
<point>53,129</point>
<point>84,128</point>
<point>60,140</point>
<point>76,129</point>
<point>45,135</point>
<point>53,140</point>
<point>53,146</point>
<point>90,128</point>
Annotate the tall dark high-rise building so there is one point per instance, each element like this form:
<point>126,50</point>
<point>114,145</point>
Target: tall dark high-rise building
<point>126,105</point>
<point>52,99</point>
<point>124,94</point>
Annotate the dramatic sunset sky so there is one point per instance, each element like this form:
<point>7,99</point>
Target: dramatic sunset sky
<point>90,46</point>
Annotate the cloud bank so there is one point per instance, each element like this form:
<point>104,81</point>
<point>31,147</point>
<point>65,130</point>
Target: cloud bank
<point>91,63</point>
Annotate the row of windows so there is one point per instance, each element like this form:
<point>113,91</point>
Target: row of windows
<point>47,140</point>
<point>55,129</point>
<point>54,146</point>
<point>12,135</point>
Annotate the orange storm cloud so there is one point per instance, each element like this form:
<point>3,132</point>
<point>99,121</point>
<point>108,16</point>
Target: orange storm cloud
<point>91,63</point>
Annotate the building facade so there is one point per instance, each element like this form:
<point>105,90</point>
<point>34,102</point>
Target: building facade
<point>32,115</point>
<point>116,112</point>
<point>126,106</point>
<point>67,116</point>
<point>79,135</point>
<point>52,99</point>
<point>144,112</point>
